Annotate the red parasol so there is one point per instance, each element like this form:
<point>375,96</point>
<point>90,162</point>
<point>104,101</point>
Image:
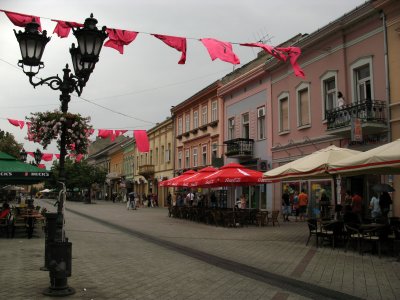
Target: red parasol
<point>193,181</point>
<point>173,181</point>
<point>232,174</point>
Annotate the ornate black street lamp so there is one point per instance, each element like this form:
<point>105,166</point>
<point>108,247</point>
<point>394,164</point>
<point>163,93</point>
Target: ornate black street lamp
<point>84,58</point>
<point>23,155</point>
<point>37,156</point>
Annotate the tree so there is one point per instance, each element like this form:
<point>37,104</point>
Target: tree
<point>78,175</point>
<point>8,144</point>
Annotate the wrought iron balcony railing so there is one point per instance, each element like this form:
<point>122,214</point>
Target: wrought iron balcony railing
<point>146,170</point>
<point>239,147</point>
<point>369,111</point>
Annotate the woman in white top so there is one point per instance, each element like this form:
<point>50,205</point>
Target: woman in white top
<point>340,100</point>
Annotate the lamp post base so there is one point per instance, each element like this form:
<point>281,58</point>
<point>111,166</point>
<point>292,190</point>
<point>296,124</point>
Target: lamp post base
<point>59,288</point>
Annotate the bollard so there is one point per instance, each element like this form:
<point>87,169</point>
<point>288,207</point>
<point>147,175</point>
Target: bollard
<point>50,236</point>
<point>60,257</point>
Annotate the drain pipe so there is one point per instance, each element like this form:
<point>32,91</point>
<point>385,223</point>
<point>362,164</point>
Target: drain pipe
<point>387,82</point>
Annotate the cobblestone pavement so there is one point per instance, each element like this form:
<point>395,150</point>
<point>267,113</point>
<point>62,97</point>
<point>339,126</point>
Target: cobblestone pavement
<point>144,254</point>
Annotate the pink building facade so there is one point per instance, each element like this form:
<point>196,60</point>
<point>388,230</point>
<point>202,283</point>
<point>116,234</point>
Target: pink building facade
<point>345,56</point>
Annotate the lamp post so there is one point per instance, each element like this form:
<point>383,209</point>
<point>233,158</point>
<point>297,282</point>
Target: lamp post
<point>84,58</point>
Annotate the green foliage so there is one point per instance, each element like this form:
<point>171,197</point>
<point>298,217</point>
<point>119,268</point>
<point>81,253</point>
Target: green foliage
<point>77,175</point>
<point>8,144</point>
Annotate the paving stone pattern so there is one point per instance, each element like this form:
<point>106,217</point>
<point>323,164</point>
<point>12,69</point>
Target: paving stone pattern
<point>108,263</point>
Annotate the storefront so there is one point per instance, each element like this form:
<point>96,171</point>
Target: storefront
<point>314,189</point>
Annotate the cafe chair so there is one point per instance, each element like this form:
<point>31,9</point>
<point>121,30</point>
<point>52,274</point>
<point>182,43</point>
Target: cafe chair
<point>372,236</point>
<point>352,233</point>
<point>313,230</point>
<point>273,218</point>
<point>5,225</point>
<point>327,233</point>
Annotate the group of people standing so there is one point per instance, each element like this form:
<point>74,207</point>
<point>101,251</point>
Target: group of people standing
<point>299,204</point>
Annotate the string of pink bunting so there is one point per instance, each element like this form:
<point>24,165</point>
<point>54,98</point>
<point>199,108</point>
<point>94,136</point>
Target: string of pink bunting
<point>118,38</point>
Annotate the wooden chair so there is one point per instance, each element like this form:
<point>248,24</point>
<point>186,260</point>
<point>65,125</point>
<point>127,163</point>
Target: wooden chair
<point>352,233</point>
<point>373,237</point>
<point>273,218</point>
<point>5,225</point>
<point>327,233</point>
<point>261,218</point>
<point>312,230</point>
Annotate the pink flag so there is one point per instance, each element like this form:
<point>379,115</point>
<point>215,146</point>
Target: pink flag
<point>179,43</point>
<point>119,132</point>
<point>142,141</point>
<point>17,123</point>
<point>119,38</point>
<point>63,28</point>
<point>22,20</point>
<point>42,166</point>
<point>294,53</point>
<point>271,50</point>
<point>221,50</point>
<point>47,156</point>
<point>104,133</point>
<point>57,155</point>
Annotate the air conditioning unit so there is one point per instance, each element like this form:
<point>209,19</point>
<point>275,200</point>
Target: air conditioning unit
<point>262,165</point>
<point>261,112</point>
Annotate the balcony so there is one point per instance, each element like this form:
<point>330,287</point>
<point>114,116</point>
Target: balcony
<point>239,148</point>
<point>146,171</point>
<point>371,113</point>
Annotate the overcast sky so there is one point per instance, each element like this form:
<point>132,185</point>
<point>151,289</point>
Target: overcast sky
<point>146,80</point>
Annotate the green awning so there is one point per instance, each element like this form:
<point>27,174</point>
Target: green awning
<point>13,171</point>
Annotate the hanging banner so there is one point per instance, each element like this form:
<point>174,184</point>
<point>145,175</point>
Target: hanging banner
<point>356,130</point>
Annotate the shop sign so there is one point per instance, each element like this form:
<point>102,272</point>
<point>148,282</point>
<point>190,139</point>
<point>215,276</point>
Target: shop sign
<point>356,130</point>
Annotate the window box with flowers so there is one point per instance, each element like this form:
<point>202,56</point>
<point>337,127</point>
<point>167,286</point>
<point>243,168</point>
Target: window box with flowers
<point>47,126</point>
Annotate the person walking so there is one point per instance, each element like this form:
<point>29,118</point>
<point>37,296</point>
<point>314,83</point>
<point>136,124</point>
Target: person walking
<point>375,208</point>
<point>286,205</point>
<point>296,205</point>
<point>303,202</point>
<point>384,202</point>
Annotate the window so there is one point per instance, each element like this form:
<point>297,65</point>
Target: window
<point>284,112</point>
<point>363,83</point>
<point>194,157</point>
<point>162,154</point>
<point>261,123</point>
<point>362,79</point>
<point>195,119</point>
<point>151,157</point>
<point>187,123</point>
<point>204,119</point>
<point>214,151</point>
<point>214,111</point>
<point>137,162</point>
<point>180,126</point>
<point>330,93</point>
<point>245,126</point>
<point>187,158</point>
<point>303,105</point>
<point>156,161</point>
<point>204,155</point>
<point>231,128</point>
<point>168,153</point>
<point>180,160</point>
